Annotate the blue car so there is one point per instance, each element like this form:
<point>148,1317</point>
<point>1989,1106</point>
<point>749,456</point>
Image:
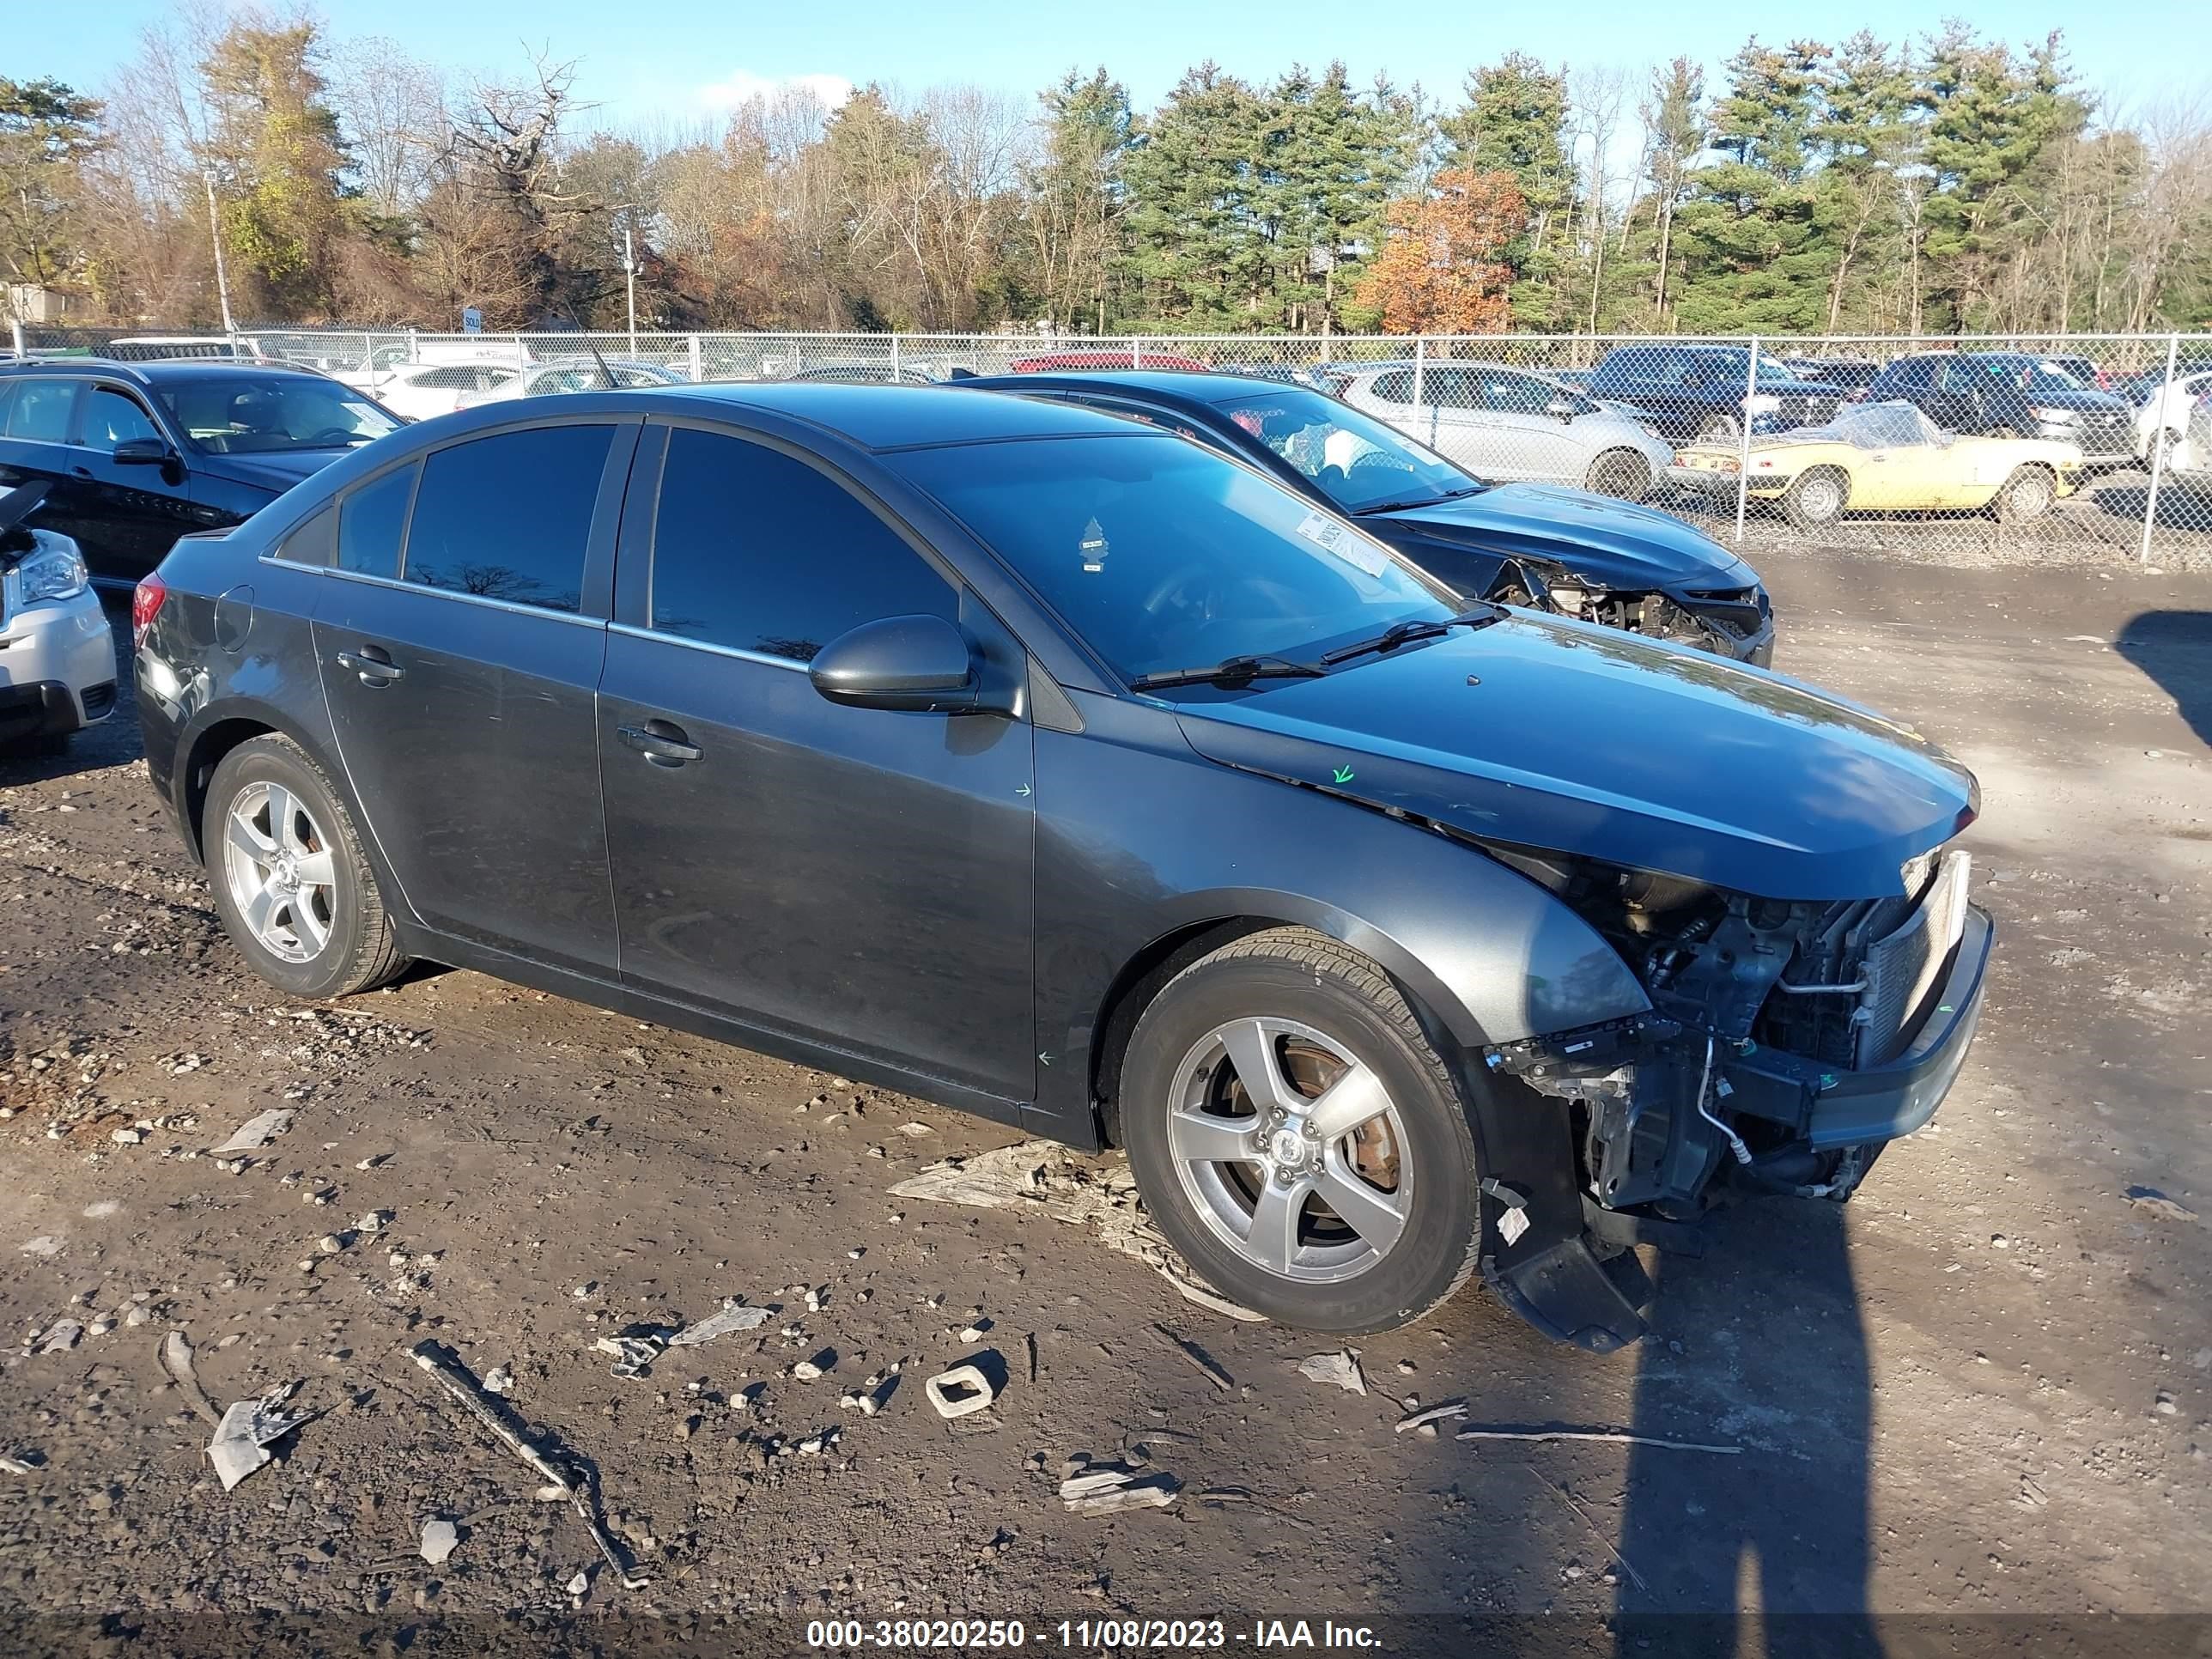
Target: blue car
<point>1016,756</point>
<point>1572,551</point>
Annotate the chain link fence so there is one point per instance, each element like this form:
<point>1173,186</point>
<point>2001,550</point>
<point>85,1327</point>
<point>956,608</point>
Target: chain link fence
<point>1996,448</point>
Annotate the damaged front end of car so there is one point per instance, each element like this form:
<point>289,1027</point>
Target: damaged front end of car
<point>1736,622</point>
<point>1786,1044</point>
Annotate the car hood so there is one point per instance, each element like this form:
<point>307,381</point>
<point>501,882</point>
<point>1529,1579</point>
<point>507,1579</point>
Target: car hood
<point>274,471</point>
<point>1612,543</point>
<point>1569,738</point>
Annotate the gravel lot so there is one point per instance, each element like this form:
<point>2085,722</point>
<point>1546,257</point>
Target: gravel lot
<point>1982,1388</point>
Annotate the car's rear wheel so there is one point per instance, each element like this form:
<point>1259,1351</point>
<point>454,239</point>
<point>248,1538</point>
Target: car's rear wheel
<point>290,883</point>
<point>1298,1139</point>
<point>2027,495</point>
<point>1621,473</point>
<point>1817,498</point>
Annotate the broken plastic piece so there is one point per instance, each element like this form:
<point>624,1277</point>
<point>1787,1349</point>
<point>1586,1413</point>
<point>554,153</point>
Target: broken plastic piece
<point>734,1316</point>
<point>1341,1368</point>
<point>440,1539</point>
<point>254,1134</point>
<point>975,1391</point>
<point>247,1429</point>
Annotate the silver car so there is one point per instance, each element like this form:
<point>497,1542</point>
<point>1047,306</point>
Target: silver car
<point>572,374</point>
<point>1508,424</point>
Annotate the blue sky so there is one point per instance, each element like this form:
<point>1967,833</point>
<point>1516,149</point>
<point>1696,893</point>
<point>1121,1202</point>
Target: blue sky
<point>678,59</point>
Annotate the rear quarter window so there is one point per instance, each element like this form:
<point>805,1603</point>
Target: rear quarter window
<point>39,412</point>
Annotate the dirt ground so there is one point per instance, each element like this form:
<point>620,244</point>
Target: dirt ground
<point>1981,1389</point>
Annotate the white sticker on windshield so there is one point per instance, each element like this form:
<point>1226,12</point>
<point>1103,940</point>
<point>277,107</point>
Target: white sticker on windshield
<point>1344,542</point>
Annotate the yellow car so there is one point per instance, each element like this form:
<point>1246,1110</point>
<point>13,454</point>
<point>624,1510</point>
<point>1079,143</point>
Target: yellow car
<point>1884,458</point>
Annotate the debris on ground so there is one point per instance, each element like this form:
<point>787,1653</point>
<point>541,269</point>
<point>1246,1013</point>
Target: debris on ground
<point>1199,1358</point>
<point>1039,1174</point>
<point>457,1382</point>
<point>247,1429</point>
<point>19,1462</point>
<point>1615,1436</point>
<point>956,1393</point>
<point>43,1245</point>
<point>58,1338</point>
<point>582,1581</point>
<point>1596,1532</point>
<point>1222,1497</point>
<point>254,1134</point>
<point>1089,1488</point>
<point>1341,1368</point>
<point>1436,1414</point>
<point>176,1354</point>
<point>634,1350</point>
<point>499,1381</point>
<point>440,1539</point>
<point>735,1316</point>
<point>915,1131</point>
<point>2148,1199</point>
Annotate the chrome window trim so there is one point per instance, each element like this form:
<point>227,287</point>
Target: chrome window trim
<point>659,636</point>
<point>521,609</point>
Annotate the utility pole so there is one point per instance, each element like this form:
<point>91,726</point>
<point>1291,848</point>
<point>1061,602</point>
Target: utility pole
<point>215,235</point>
<point>630,278</point>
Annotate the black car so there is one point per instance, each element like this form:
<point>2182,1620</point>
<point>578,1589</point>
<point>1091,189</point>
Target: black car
<point>1016,756</point>
<point>2002,393</point>
<point>137,454</point>
<point>1569,551</point>
<point>1689,391</point>
<point>1851,375</point>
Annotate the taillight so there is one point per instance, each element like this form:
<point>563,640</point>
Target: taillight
<point>146,601</point>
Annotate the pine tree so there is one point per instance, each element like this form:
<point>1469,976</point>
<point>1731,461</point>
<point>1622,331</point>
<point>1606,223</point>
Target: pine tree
<point>46,129</point>
<point>1077,195</point>
<point>1193,177</point>
<point>1514,121</point>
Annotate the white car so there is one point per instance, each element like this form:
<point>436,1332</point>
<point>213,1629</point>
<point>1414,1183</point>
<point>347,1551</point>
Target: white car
<point>1508,424</point>
<point>419,391</point>
<point>2165,418</point>
<point>56,657</point>
<point>575,374</point>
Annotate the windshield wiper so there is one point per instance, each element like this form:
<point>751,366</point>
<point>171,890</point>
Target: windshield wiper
<point>1228,669</point>
<point>1421,628</point>
<point>1420,500</point>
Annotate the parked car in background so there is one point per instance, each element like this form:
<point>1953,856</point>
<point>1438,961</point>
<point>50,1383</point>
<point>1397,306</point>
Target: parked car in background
<point>1886,457</point>
<point>2085,371</point>
<point>1015,756</point>
<point>2163,419</point>
<point>2192,457</point>
<point>572,374</point>
<point>1553,547</point>
<point>880,373</point>
<point>1329,382</point>
<point>1852,374</point>
<point>1684,391</point>
<point>1144,357</point>
<point>419,391</point>
<point>136,454</point>
<point>1513,425</point>
<point>56,657</point>
<point>2008,395</point>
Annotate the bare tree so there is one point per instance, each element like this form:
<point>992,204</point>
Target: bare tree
<point>394,109</point>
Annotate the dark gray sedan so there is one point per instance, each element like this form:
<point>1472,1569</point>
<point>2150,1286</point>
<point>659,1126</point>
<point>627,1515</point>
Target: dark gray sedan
<point>1012,756</point>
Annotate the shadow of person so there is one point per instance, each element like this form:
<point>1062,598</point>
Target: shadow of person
<point>1760,1343</point>
<point>2173,648</point>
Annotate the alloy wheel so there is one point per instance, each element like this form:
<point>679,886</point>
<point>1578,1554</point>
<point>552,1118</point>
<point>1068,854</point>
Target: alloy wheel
<point>1819,499</point>
<point>1290,1150</point>
<point>277,862</point>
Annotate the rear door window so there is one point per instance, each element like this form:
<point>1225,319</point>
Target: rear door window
<point>40,413</point>
<point>509,516</point>
<point>755,549</point>
<point>1396,387</point>
<point>372,520</point>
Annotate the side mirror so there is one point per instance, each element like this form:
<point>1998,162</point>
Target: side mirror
<point>142,452</point>
<point>919,663</point>
<point>1562,410</point>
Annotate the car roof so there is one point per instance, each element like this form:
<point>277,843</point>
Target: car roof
<point>1167,386</point>
<point>885,418</point>
<point>156,371</point>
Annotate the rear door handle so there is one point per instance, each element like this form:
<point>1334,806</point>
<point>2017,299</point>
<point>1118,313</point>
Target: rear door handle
<point>661,742</point>
<point>372,664</point>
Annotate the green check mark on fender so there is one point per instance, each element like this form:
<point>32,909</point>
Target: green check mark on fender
<point>1344,774</point>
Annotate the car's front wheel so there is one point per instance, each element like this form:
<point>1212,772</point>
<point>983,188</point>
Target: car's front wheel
<point>1298,1139</point>
<point>2027,495</point>
<point>1817,498</point>
<point>290,883</point>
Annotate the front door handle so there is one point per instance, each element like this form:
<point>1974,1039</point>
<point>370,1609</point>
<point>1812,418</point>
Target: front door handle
<point>373,665</point>
<point>661,742</point>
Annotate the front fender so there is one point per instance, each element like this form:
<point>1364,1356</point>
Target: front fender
<point>1138,844</point>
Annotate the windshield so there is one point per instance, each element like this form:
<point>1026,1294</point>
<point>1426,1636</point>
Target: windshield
<point>2032,374</point>
<point>1876,426</point>
<point>1163,554</point>
<point>1358,463</point>
<point>261,415</point>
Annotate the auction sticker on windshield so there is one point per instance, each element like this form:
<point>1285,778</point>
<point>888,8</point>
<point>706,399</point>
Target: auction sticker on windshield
<point>1344,542</point>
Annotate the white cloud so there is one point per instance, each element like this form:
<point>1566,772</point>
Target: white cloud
<point>741,87</point>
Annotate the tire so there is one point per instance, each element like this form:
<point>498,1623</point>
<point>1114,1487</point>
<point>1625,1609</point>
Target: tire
<point>1621,473</point>
<point>290,883</point>
<point>2027,495</point>
<point>1312,1012</point>
<point>1718,426</point>
<point>1817,499</point>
